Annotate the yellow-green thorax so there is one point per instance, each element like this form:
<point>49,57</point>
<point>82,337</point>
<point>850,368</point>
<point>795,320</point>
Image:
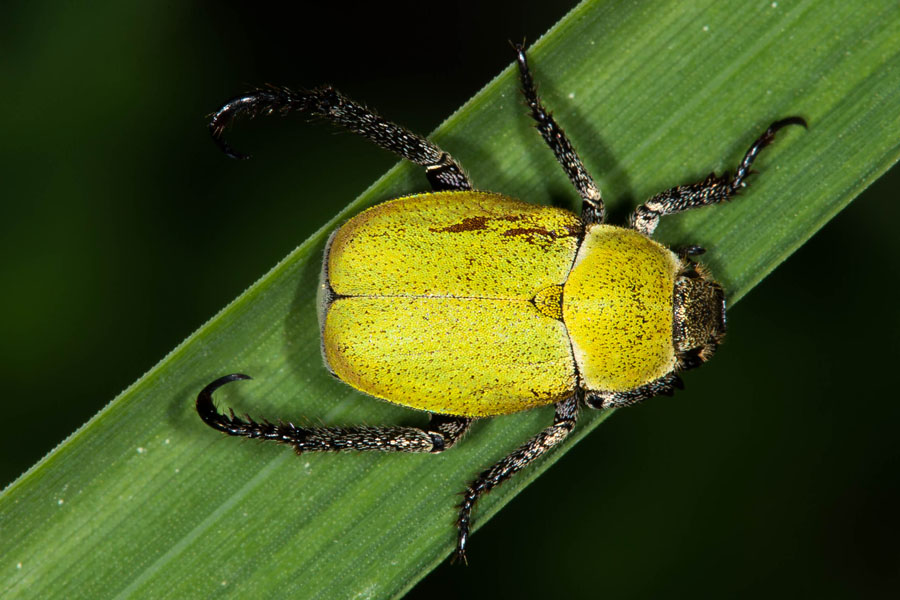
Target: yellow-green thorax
<point>617,307</point>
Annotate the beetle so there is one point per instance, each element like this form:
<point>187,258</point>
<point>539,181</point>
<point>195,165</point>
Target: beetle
<point>469,304</point>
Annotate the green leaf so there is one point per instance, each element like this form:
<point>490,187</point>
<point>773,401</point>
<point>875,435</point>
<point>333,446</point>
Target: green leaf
<point>144,500</point>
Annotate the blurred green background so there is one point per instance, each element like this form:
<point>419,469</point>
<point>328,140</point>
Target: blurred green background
<point>124,229</point>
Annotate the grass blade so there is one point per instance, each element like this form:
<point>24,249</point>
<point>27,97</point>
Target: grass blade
<point>144,501</point>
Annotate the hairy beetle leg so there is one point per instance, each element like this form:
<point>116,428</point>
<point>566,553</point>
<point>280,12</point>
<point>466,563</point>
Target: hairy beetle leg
<point>592,210</point>
<point>563,423</point>
<point>442,171</point>
<point>712,190</point>
<point>442,433</point>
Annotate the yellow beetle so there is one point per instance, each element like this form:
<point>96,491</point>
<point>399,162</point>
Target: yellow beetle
<point>469,304</point>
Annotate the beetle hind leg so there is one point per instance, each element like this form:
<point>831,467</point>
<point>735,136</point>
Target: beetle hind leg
<point>563,423</point>
<point>442,171</point>
<point>592,204</point>
<point>442,432</point>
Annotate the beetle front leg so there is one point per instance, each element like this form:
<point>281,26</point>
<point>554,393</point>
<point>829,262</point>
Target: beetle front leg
<point>592,204</point>
<point>664,386</point>
<point>563,423</point>
<point>443,172</point>
<point>442,433</point>
<point>712,190</point>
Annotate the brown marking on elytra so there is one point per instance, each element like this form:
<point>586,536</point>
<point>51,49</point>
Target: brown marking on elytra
<point>467,224</point>
<point>574,231</point>
<point>472,224</point>
<point>536,236</point>
<point>540,236</point>
<point>530,231</point>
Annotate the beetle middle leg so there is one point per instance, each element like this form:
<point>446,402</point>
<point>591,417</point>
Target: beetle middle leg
<point>712,190</point>
<point>592,204</point>
<point>442,432</point>
<point>443,172</point>
<point>563,423</point>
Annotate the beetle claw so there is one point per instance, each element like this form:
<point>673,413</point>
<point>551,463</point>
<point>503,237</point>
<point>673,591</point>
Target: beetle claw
<point>224,116</point>
<point>205,407</point>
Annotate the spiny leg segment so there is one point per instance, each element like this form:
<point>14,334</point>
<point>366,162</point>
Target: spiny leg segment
<point>443,172</point>
<point>563,424</point>
<point>592,204</point>
<point>442,432</point>
<point>712,190</point>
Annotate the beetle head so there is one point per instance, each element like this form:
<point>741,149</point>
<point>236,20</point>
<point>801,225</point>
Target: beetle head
<point>699,316</point>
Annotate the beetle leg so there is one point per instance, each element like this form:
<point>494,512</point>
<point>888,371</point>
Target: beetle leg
<point>563,423</point>
<point>442,433</point>
<point>664,386</point>
<point>685,252</point>
<point>712,190</point>
<point>592,204</point>
<point>443,172</point>
<point>449,428</point>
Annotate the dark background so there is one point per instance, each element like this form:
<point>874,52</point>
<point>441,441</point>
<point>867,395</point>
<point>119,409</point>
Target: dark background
<point>124,229</point>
